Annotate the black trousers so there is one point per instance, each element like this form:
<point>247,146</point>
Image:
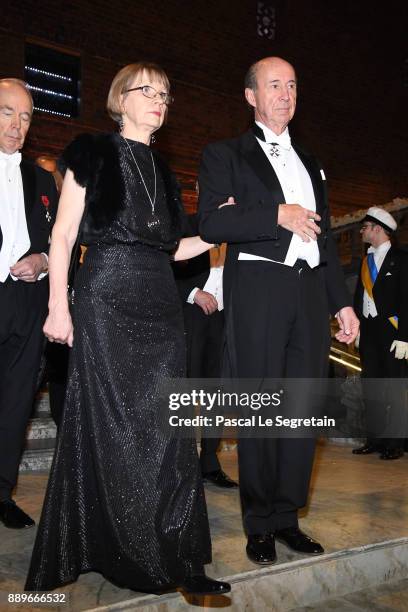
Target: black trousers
<point>204,334</point>
<point>57,356</point>
<point>280,328</point>
<point>385,401</point>
<point>23,308</point>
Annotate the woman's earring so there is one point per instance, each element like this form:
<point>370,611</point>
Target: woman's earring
<point>121,124</point>
<point>153,139</point>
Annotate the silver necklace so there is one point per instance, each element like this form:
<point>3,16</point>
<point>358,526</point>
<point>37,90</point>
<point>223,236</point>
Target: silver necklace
<point>154,222</point>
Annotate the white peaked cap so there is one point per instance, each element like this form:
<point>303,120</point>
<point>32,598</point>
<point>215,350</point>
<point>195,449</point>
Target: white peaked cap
<point>381,217</point>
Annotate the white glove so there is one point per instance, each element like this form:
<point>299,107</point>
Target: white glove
<point>357,341</point>
<point>401,349</point>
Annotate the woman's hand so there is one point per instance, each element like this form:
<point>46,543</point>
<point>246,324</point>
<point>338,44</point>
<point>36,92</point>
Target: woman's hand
<point>58,327</point>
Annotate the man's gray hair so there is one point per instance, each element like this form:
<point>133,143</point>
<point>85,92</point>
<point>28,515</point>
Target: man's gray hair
<point>250,77</point>
<point>23,84</point>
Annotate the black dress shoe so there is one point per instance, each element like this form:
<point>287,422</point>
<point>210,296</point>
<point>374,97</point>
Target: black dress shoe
<point>392,453</point>
<point>298,541</point>
<point>220,479</point>
<point>13,517</point>
<point>202,585</point>
<point>261,549</point>
<point>367,449</point>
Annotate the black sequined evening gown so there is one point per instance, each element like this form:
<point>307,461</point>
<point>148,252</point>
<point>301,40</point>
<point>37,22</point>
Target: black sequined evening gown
<point>123,499</point>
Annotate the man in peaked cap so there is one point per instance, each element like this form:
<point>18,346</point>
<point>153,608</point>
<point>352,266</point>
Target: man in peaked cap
<point>381,302</point>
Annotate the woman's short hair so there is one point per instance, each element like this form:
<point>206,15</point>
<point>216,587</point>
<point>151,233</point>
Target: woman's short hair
<point>124,80</point>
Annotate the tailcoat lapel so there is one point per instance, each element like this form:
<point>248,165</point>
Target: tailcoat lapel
<point>388,265</point>
<point>29,180</point>
<point>257,160</point>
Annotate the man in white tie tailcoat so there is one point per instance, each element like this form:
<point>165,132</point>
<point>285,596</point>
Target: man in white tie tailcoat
<point>282,279</point>
<point>28,203</point>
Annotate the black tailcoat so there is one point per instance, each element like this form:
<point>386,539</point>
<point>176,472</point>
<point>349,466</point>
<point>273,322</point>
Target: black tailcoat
<point>384,401</point>
<point>390,291</point>
<point>23,308</point>
<point>277,320</point>
<point>204,335</point>
<point>239,168</point>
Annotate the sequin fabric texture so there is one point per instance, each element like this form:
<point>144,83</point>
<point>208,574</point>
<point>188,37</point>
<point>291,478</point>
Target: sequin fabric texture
<point>123,499</point>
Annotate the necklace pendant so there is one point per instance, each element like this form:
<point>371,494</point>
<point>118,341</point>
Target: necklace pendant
<point>153,223</point>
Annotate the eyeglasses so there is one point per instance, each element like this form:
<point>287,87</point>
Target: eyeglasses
<point>366,225</point>
<point>151,92</point>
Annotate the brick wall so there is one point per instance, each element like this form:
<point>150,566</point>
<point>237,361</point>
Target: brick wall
<point>349,56</point>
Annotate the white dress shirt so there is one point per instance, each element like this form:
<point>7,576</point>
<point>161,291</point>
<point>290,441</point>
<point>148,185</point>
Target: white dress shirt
<point>369,309</point>
<point>13,223</point>
<point>297,189</point>
<point>213,286</point>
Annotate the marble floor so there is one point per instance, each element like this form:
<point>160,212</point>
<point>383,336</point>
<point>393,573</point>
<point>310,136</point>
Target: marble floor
<point>354,501</point>
<point>392,597</point>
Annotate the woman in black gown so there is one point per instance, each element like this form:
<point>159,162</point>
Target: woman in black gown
<point>124,498</point>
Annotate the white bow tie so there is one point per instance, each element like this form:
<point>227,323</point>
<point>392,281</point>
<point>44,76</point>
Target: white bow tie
<point>11,161</point>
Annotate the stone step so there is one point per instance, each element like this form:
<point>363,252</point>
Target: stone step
<point>41,405</point>
<point>388,597</point>
<point>41,433</point>
<point>40,437</point>
<point>296,585</point>
<point>36,460</point>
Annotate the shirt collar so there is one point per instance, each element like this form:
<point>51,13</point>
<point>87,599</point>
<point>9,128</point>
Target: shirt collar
<point>269,135</point>
<point>382,249</point>
<point>10,160</point>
